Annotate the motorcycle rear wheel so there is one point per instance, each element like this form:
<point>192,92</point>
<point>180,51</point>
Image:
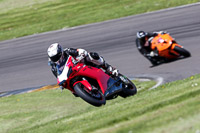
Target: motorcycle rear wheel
<point>128,89</point>
<point>182,51</point>
<point>86,96</point>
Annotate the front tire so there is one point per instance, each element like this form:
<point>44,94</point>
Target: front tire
<point>182,51</point>
<point>129,88</point>
<point>96,99</point>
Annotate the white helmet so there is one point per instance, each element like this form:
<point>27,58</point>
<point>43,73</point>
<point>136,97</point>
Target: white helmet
<point>55,52</point>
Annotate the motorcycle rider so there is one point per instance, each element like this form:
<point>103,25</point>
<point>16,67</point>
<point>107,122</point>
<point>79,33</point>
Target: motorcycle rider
<point>58,56</point>
<point>143,43</point>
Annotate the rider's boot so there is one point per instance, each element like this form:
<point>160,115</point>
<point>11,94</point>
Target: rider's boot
<point>110,70</point>
<point>113,72</point>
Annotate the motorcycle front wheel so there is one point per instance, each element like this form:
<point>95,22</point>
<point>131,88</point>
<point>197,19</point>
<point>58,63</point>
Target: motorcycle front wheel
<point>182,51</point>
<point>94,98</point>
<point>129,89</point>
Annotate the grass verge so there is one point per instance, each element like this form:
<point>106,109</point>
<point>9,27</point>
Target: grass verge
<point>36,16</point>
<point>172,107</point>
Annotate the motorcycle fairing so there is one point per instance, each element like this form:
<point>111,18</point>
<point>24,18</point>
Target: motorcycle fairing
<point>104,81</point>
<point>165,44</point>
<point>63,75</point>
<point>95,73</point>
<point>160,39</point>
<point>113,87</point>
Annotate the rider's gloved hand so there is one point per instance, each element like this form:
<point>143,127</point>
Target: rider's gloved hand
<point>113,71</point>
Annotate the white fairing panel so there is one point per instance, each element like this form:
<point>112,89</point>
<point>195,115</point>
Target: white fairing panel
<point>63,75</point>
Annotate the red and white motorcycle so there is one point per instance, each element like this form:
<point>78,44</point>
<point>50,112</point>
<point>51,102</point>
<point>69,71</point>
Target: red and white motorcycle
<point>92,84</point>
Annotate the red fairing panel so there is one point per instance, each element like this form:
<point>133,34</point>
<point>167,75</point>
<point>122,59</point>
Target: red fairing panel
<point>97,74</point>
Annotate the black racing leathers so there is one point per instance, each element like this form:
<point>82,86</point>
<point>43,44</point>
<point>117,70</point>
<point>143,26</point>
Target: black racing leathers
<point>146,49</point>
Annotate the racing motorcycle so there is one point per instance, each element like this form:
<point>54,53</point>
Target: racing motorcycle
<point>92,84</point>
<point>166,49</point>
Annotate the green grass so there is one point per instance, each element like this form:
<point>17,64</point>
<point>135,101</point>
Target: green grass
<point>21,17</point>
<point>173,107</point>
<point>143,87</point>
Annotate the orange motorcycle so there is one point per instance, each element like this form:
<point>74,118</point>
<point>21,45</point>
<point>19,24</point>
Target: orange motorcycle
<point>166,47</point>
<point>163,48</point>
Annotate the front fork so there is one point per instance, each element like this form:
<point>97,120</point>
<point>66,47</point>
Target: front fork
<point>85,83</point>
<point>172,49</point>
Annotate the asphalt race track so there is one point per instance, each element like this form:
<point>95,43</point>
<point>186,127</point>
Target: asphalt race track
<point>23,61</point>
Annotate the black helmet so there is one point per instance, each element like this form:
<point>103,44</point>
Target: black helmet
<point>55,52</point>
<point>141,34</point>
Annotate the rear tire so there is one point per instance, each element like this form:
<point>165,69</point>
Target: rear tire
<point>182,51</point>
<point>128,89</point>
<point>91,99</point>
